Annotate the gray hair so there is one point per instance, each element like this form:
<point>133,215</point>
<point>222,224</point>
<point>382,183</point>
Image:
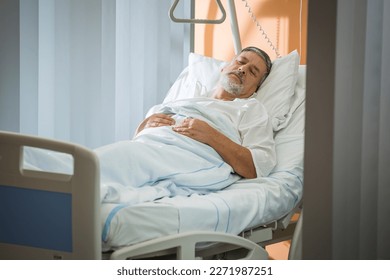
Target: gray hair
<point>265,58</point>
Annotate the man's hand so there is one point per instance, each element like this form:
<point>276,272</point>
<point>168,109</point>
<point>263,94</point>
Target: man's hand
<point>196,129</point>
<point>156,120</point>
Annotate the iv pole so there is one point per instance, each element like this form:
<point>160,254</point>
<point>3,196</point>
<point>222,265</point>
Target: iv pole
<point>234,27</point>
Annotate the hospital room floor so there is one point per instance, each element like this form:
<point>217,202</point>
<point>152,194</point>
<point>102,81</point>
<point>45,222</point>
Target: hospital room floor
<point>278,251</point>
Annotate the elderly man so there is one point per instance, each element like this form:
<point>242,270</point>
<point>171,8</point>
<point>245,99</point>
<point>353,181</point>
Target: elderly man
<point>240,79</point>
<point>197,145</point>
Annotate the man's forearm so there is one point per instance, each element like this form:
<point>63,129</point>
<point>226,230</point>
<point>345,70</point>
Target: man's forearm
<point>237,156</point>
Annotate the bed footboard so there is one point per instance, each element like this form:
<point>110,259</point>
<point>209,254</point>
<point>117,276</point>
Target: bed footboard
<point>45,214</point>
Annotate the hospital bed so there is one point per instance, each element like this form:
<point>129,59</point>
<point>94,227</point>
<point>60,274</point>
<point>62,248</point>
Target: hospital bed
<point>57,214</point>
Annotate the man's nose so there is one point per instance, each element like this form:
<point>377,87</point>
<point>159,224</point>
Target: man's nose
<point>242,69</point>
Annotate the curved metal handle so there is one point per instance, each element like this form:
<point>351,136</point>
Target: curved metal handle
<point>185,246</point>
<point>193,20</point>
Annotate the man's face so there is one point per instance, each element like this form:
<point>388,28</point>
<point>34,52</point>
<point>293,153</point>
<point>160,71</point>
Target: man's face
<point>243,75</point>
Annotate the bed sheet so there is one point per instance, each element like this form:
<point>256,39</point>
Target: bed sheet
<point>243,205</point>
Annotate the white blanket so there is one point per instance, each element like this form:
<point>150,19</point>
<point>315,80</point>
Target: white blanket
<point>159,162</point>
<point>162,163</point>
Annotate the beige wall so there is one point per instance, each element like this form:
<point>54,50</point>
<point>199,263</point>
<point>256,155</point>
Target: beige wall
<point>279,18</point>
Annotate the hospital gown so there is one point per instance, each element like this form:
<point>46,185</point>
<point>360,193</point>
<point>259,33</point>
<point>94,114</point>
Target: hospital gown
<point>159,162</point>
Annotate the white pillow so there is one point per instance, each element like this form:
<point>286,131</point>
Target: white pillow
<point>296,102</point>
<point>206,70</point>
<point>275,93</point>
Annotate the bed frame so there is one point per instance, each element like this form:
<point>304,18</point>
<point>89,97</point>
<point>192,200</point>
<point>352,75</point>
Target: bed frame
<point>48,215</point>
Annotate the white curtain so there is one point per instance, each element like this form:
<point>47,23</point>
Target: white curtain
<point>362,156</point>
<point>347,145</point>
<point>90,69</point>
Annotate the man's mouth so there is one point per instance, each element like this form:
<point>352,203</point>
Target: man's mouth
<point>238,75</point>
